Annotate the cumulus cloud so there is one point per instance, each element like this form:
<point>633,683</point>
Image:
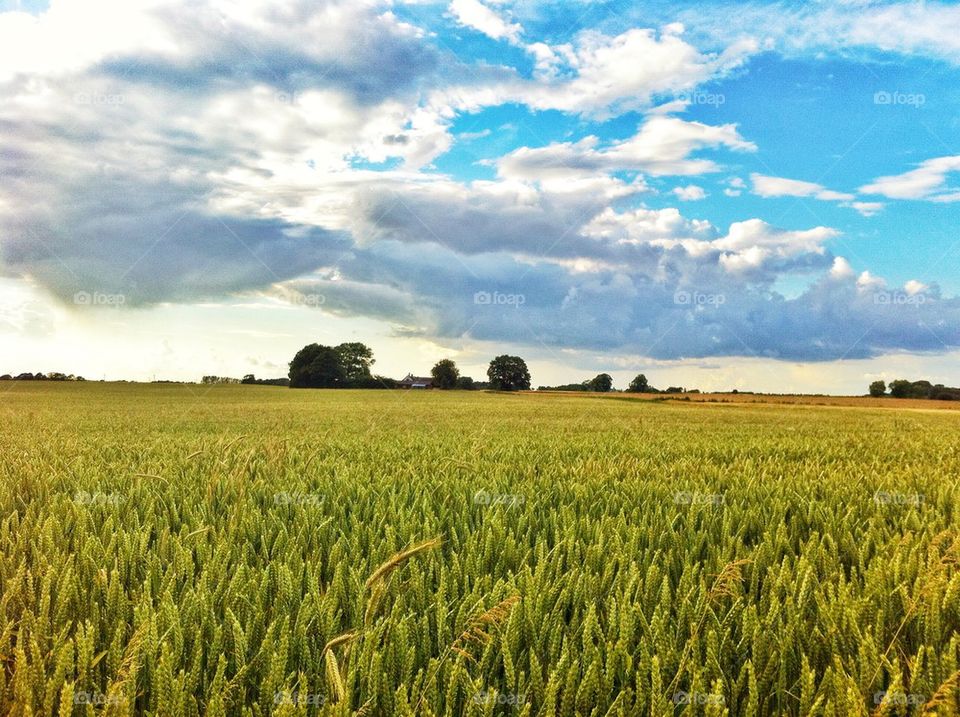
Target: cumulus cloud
<point>474,14</point>
<point>689,193</point>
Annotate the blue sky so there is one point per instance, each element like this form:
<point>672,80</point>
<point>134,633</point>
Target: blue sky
<point>764,198</point>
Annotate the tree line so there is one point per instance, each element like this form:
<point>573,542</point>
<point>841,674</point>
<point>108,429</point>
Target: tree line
<point>902,388</point>
<point>603,383</point>
<point>349,365</point>
<point>39,376</point>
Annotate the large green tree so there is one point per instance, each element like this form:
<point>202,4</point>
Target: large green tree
<point>355,359</point>
<point>445,374</point>
<point>640,385</point>
<point>317,366</point>
<point>601,383</point>
<point>508,373</point>
<point>878,388</point>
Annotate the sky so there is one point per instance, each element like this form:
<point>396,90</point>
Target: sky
<point>763,199</point>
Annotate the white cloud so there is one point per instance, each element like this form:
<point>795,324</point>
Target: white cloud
<point>600,76</point>
<point>767,186</point>
<point>927,181</point>
<point>662,146</point>
<point>750,244</point>
<point>623,72</point>
<point>474,14</point>
<point>914,287</point>
<point>866,209</point>
<point>841,269</point>
<point>689,193</point>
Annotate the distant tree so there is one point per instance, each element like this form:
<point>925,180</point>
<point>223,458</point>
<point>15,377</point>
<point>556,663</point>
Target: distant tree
<point>356,360</point>
<point>317,366</point>
<point>249,378</point>
<point>6,377</point>
<point>640,385</point>
<point>602,383</point>
<point>674,389</point>
<point>445,374</point>
<point>878,388</point>
<point>900,388</point>
<point>508,373</point>
<point>465,383</point>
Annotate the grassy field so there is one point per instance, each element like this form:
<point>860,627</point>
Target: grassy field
<point>178,550</point>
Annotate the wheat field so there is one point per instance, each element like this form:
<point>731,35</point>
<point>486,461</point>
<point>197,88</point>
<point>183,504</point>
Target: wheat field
<point>247,550</point>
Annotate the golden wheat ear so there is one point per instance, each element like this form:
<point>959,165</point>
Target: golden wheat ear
<point>943,697</point>
<point>398,559</point>
<point>334,678</point>
<point>477,629</point>
<point>338,640</point>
